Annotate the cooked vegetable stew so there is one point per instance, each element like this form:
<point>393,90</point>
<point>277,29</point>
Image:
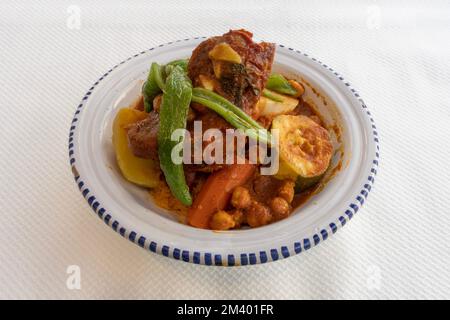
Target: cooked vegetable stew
<point>226,84</point>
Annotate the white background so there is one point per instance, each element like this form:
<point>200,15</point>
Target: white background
<point>397,54</point>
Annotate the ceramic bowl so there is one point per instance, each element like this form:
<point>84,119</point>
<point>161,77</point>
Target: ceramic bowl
<point>129,210</point>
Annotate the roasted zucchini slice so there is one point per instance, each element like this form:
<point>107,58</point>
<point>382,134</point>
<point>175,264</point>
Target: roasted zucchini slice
<point>305,148</point>
<point>301,183</point>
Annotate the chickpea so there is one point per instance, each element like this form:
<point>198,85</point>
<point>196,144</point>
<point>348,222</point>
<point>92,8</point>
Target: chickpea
<point>280,208</point>
<point>258,215</point>
<point>238,217</point>
<point>222,220</point>
<point>298,87</point>
<point>241,198</point>
<point>286,191</point>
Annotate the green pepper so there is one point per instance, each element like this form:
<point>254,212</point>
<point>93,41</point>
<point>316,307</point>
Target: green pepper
<point>173,114</point>
<point>158,75</point>
<point>231,113</point>
<point>153,86</point>
<point>278,83</point>
<point>183,63</point>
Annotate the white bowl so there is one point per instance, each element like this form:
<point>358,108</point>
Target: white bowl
<point>129,209</point>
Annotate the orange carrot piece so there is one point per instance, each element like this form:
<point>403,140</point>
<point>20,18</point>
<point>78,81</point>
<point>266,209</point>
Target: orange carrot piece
<point>216,193</point>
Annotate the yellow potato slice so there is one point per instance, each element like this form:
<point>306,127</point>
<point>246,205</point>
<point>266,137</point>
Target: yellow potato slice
<point>270,108</point>
<point>143,172</point>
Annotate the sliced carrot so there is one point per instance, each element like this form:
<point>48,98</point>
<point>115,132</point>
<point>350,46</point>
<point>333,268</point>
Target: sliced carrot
<point>216,193</point>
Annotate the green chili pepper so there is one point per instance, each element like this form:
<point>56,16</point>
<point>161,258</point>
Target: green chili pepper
<point>173,114</point>
<point>153,86</point>
<point>158,75</point>
<point>278,83</point>
<point>210,95</point>
<point>183,63</point>
<point>231,113</point>
<point>271,96</point>
<point>168,69</point>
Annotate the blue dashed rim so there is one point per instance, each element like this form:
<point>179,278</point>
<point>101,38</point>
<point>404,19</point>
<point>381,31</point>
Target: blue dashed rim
<point>229,259</point>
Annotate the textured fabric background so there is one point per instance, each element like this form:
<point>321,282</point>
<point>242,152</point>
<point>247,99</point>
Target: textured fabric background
<point>395,53</point>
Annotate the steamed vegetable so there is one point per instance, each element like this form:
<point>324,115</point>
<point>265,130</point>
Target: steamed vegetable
<point>305,147</point>
<point>153,86</point>
<point>216,192</point>
<point>231,113</point>
<point>272,104</point>
<point>173,115</point>
<point>278,83</point>
<point>143,172</point>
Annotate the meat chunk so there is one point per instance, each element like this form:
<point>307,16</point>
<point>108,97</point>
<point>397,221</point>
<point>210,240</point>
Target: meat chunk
<point>209,120</point>
<point>240,83</point>
<point>258,215</point>
<point>266,187</point>
<point>143,137</point>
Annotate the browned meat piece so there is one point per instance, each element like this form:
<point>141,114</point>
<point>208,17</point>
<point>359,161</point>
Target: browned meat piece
<point>190,176</point>
<point>266,187</point>
<point>240,83</point>
<point>206,168</point>
<point>143,137</point>
<point>209,120</point>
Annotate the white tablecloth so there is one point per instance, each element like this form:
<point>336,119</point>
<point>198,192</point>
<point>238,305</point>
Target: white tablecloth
<point>395,53</point>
